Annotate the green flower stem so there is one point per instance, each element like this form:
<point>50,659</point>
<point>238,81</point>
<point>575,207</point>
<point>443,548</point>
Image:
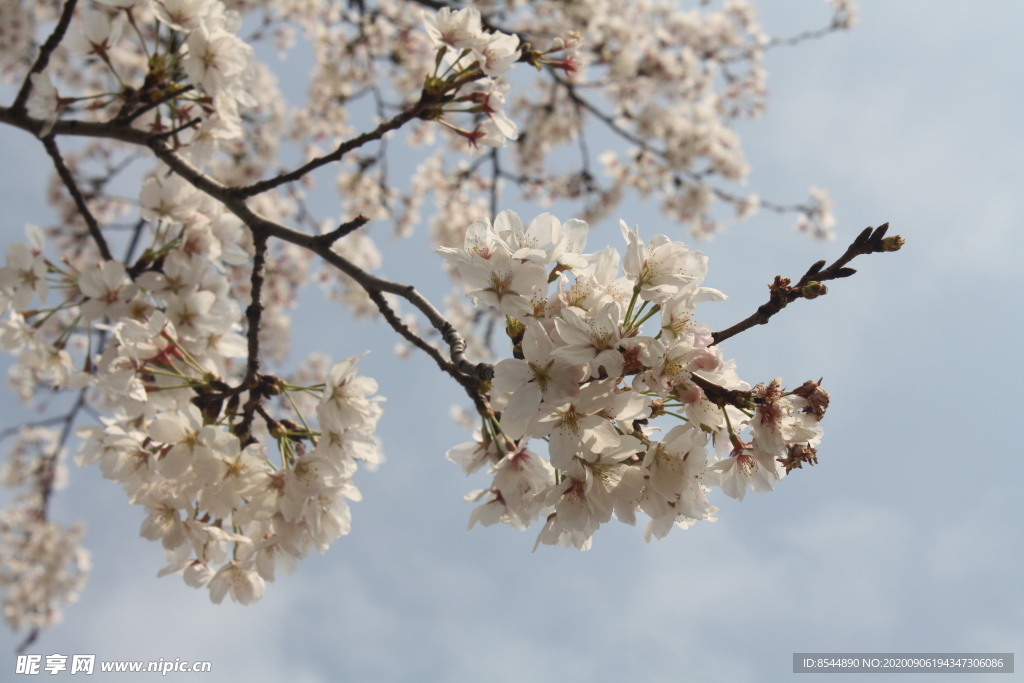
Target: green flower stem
<point>733,438</point>
<point>632,302</point>
<point>452,65</point>
<point>298,412</point>
<point>142,40</point>
<point>62,340</point>
<point>636,325</point>
<point>167,388</point>
<point>49,312</point>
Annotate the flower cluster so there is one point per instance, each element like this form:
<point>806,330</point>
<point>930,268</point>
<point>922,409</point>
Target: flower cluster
<point>42,563</point>
<point>228,515</point>
<point>467,52</point>
<point>597,355</point>
<point>196,81</point>
<point>674,82</point>
<point>187,423</point>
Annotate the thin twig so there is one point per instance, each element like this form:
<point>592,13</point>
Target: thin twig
<point>870,241</point>
<point>45,483</point>
<point>495,176</point>
<point>134,241</point>
<point>174,131</point>
<point>329,238</point>
<point>44,55</point>
<point>8,432</point>
<point>130,116</point>
<point>69,182</point>
<point>681,176</point>
<point>471,387</point>
<point>234,201</point>
<point>801,37</point>
<point>342,149</point>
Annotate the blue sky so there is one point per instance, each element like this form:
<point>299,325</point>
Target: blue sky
<point>905,538</point>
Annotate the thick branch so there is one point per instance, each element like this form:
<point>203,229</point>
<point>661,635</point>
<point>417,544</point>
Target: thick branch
<point>253,313</point>
<point>69,182</point>
<point>44,55</point>
<point>721,396</point>
<point>370,283</point>
<point>870,241</point>
<point>260,225</point>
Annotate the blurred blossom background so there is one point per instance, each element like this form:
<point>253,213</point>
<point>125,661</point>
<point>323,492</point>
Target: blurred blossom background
<point>904,538</point>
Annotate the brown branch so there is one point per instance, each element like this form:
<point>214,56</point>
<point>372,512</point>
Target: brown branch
<point>44,55</point>
<point>375,286</point>
<point>174,131</point>
<point>128,116</point>
<point>260,225</point>
<point>253,313</point>
<point>810,286</point>
<point>680,176</point>
<point>814,34</point>
<point>370,283</point>
<point>608,120</point>
<point>45,484</point>
<point>91,129</point>
<point>329,238</point>
<point>775,207</point>
<point>343,149</point>
<point>129,251</point>
<point>29,639</point>
<point>721,396</point>
<point>495,175</point>
<point>69,182</point>
<point>50,469</point>
<point>452,368</point>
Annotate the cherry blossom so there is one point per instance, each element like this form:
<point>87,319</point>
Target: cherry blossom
<point>589,382</point>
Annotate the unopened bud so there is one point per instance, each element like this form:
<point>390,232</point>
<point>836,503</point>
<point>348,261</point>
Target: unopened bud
<point>532,57</point>
<point>707,361</point>
<point>291,427</point>
<point>232,407</point>
<point>657,408</point>
<point>813,289</point>
<point>514,329</point>
<point>688,393</point>
<point>892,243</point>
<point>271,385</point>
